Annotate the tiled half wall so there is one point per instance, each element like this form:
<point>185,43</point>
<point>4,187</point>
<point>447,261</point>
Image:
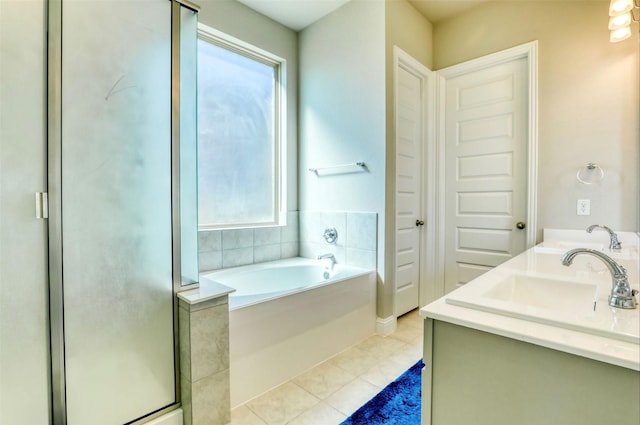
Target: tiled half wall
<point>302,236</point>
<point>357,236</point>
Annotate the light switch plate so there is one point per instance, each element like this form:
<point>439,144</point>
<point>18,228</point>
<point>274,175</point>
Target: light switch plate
<point>584,207</point>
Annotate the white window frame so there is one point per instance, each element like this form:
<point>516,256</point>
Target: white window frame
<point>250,51</point>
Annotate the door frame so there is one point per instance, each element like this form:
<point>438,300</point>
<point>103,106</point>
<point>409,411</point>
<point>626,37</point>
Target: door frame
<point>56,313</point>
<point>428,288</point>
<point>528,51</point>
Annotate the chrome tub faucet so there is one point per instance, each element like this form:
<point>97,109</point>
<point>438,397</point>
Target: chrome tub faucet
<point>330,257</point>
<point>614,242</point>
<point>622,296</point>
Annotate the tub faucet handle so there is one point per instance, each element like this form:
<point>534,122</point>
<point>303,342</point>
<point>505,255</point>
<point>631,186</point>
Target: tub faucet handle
<point>330,234</point>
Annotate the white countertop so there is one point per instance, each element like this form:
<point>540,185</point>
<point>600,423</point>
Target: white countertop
<point>207,290</point>
<point>546,264</point>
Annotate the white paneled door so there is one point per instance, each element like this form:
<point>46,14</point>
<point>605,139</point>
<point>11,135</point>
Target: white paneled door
<point>486,133</point>
<point>410,130</point>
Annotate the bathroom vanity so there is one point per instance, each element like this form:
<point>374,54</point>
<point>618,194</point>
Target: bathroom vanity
<point>535,342</point>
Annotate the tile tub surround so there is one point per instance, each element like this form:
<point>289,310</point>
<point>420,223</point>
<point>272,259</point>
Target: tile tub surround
<point>302,236</point>
<point>203,317</point>
<point>218,249</point>
<point>357,236</point>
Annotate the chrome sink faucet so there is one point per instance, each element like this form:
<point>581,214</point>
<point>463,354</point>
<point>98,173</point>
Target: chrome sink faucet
<point>329,256</point>
<point>614,243</point>
<point>621,294</point>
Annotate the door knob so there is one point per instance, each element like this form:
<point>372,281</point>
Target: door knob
<point>419,223</point>
<point>521,225</point>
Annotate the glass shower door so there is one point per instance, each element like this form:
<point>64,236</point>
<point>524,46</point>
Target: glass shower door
<point>116,210</point>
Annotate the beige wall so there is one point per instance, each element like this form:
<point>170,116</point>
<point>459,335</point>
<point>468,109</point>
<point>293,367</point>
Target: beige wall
<point>409,30</point>
<point>588,100</point>
<point>406,28</point>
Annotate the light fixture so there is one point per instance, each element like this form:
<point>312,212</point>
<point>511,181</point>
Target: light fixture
<point>618,7</point>
<point>621,14</point>
<point>620,34</point>
<point>620,21</point>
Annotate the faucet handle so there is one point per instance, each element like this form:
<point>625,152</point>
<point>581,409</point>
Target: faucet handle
<point>330,234</point>
<point>619,272</point>
<point>615,243</point>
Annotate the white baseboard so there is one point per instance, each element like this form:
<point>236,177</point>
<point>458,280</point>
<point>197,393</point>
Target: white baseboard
<point>386,326</point>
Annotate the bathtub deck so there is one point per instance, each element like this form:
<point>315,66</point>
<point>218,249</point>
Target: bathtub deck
<point>331,391</point>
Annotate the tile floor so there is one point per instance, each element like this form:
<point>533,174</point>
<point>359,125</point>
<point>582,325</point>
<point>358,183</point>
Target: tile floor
<point>331,391</point>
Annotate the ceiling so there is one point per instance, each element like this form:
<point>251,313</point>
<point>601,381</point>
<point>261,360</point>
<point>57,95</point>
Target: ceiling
<point>298,14</point>
<point>437,10</point>
<point>295,14</point>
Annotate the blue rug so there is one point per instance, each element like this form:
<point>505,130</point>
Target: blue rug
<point>397,404</point>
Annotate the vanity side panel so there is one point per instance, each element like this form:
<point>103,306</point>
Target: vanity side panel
<point>499,380</point>
<point>427,371</point>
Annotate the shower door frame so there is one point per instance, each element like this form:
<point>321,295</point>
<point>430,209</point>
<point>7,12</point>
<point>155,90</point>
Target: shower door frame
<point>54,184</point>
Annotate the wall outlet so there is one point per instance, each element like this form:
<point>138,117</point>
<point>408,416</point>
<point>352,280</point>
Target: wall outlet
<point>584,207</point>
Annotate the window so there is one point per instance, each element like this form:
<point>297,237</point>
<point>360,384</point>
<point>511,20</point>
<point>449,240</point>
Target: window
<point>240,142</point>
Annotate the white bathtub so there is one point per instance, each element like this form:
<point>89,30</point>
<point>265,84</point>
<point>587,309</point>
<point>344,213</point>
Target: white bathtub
<point>286,316</point>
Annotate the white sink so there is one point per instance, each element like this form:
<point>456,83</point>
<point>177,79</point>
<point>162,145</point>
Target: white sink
<point>556,295</point>
<point>562,303</point>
